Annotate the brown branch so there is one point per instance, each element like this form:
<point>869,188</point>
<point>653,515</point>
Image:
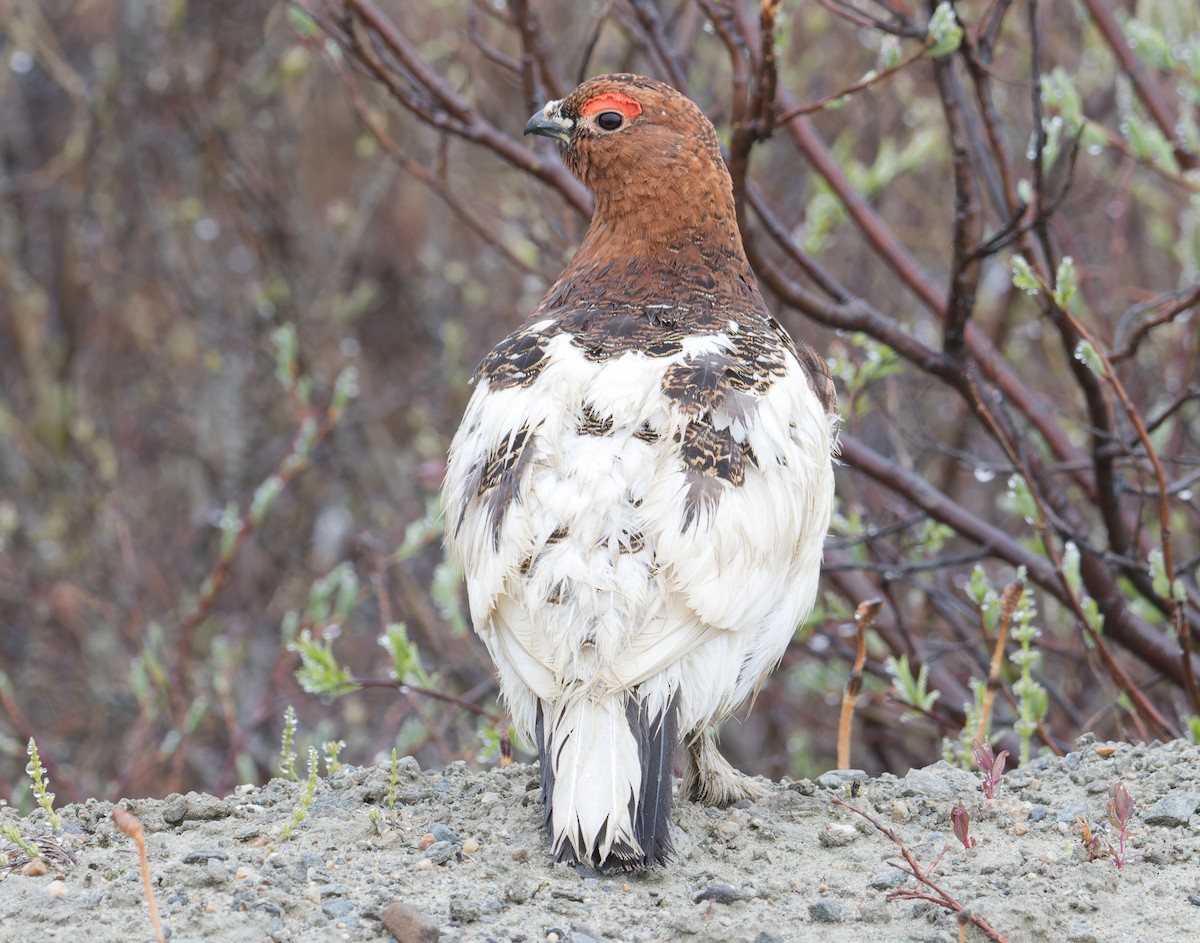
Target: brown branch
<point>1008,604</point>
<point>1120,624</point>
<point>968,220</point>
<point>128,823</point>
<point>864,616</point>
<point>1183,628</point>
<point>871,78</point>
<point>406,689</point>
<point>460,118</point>
<point>1142,82</point>
<point>1184,300</point>
<point>468,216</point>
<point>938,895</point>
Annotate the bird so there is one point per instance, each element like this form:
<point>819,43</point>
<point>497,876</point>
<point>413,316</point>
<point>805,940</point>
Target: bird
<point>641,484</point>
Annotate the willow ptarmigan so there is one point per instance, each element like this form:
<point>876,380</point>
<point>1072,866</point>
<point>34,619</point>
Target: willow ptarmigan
<point>642,482</point>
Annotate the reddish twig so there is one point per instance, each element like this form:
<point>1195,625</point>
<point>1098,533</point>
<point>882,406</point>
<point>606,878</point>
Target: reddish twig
<point>864,616</point>
<point>935,894</point>
<point>128,823</point>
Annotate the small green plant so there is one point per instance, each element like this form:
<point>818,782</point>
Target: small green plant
<point>300,813</point>
<point>287,747</point>
<point>41,786</point>
<point>406,659</point>
<point>911,690</point>
<point>10,831</point>
<point>393,783</point>
<point>1032,699</point>
<point>332,749</point>
<point>319,671</point>
<point>1013,612</point>
<point>958,752</point>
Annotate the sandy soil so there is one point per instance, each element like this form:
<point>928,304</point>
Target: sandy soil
<point>461,857</point>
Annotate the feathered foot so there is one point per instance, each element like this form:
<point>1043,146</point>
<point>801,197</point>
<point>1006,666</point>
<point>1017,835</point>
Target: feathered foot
<point>709,778</point>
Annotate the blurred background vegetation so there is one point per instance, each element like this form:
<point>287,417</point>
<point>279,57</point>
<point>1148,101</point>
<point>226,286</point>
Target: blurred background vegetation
<point>251,252</point>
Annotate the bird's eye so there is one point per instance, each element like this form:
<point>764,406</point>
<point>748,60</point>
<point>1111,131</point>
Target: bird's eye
<point>609,120</point>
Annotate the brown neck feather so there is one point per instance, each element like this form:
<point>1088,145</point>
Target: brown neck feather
<point>664,232</point>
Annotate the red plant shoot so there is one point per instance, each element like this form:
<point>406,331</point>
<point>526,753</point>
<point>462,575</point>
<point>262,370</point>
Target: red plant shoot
<point>960,819</point>
<point>1120,812</point>
<point>991,767</point>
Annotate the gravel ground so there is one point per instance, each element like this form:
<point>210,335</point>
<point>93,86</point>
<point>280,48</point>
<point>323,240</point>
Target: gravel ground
<point>461,857</point>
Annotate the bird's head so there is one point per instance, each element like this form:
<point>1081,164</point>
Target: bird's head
<point>628,138</point>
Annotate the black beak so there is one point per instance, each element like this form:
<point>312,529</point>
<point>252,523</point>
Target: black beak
<point>550,127</point>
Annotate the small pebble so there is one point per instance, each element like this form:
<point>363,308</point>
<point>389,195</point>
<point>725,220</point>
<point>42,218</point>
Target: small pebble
<point>825,911</point>
<point>407,924</point>
<point>444,833</point>
<point>440,852</point>
<point>462,910</point>
<point>837,835</point>
<point>721,894</point>
<point>1174,810</point>
<point>35,869</point>
<point>839,778</point>
<point>470,846</point>
<point>57,888</point>
<point>888,880</point>
<point>216,871</point>
<point>337,909</point>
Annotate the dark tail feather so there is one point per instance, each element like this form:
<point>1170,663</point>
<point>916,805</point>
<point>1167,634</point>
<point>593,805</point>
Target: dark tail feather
<point>547,770</point>
<point>658,738</point>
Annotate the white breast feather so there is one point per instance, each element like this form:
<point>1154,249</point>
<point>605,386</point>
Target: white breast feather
<point>715,604</point>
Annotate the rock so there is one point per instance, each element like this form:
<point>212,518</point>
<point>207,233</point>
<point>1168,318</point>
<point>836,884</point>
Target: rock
<point>216,871</point>
<point>36,868</point>
<point>837,835</point>
<point>840,778</point>
<point>825,911</point>
<point>721,894</point>
<point>337,909</point>
<point>939,781</point>
<point>440,852</point>
<point>194,807</point>
<point>888,880</point>
<point>1068,814</point>
<point>1174,810</point>
<point>517,892</point>
<point>444,833</point>
<point>204,856</point>
<point>463,909</point>
<point>408,924</point>
<point>174,809</point>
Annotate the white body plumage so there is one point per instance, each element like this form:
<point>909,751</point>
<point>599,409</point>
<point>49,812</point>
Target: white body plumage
<point>592,579</point>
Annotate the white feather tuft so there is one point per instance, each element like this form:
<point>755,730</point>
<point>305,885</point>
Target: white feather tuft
<point>597,778</point>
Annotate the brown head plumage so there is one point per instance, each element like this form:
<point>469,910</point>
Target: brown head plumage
<point>664,218</point>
